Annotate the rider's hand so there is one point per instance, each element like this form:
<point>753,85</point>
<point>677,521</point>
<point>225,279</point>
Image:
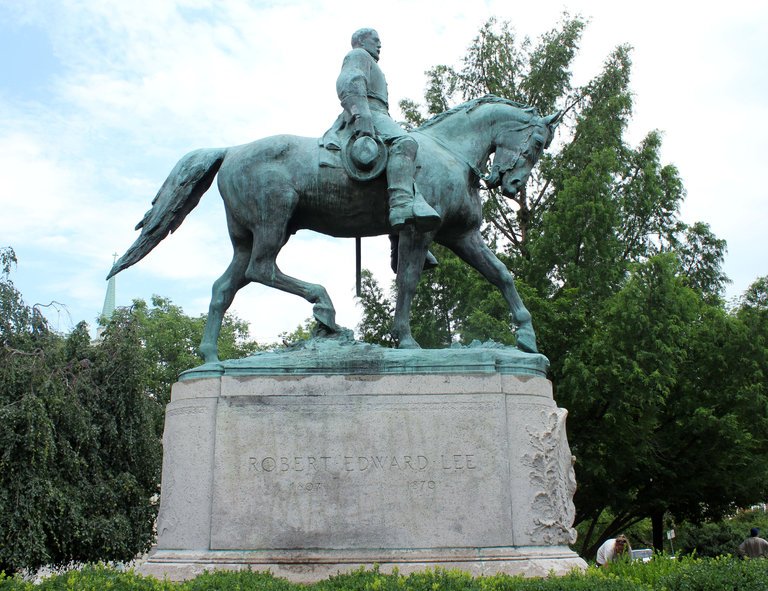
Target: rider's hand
<point>364,126</point>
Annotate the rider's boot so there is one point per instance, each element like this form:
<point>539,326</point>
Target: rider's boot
<point>406,205</point>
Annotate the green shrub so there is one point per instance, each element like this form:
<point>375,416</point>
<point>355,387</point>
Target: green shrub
<point>14,584</point>
<point>244,580</point>
<point>716,575</point>
<point>645,573</point>
<point>98,577</point>
<point>719,538</point>
<point>592,580</point>
<point>660,574</point>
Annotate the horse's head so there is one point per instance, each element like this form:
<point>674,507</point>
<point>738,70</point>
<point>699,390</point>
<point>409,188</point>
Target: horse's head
<point>518,147</point>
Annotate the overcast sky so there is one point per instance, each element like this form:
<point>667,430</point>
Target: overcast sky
<point>100,98</point>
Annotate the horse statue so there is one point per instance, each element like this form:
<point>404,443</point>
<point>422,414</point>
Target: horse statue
<point>278,185</point>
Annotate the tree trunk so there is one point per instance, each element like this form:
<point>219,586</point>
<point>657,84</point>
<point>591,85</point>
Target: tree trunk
<point>657,521</point>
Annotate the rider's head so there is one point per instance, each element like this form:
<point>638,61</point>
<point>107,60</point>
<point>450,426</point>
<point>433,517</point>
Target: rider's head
<point>369,40</point>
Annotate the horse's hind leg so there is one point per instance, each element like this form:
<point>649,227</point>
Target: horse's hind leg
<point>471,248</point>
<point>263,269</point>
<point>223,292</point>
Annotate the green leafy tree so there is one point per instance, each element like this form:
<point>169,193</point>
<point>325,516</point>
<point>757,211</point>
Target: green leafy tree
<point>79,459</point>
<point>701,255</point>
<point>169,339</point>
<point>302,332</point>
<point>666,423</point>
<point>376,323</point>
<point>80,448</point>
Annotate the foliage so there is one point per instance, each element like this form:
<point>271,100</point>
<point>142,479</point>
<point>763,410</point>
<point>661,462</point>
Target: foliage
<point>657,394</point>
<point>82,423</point>
<point>661,573</point>
<point>718,538</point>
<point>301,333</point>
<point>80,456</point>
<point>241,581</point>
<point>717,574</point>
<point>376,324</point>
<point>170,339</point>
<point>99,577</point>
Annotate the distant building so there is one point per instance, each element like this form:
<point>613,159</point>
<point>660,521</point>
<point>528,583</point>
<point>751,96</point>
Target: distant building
<point>109,304</point>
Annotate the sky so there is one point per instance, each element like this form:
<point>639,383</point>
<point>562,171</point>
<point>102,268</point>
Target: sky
<point>100,98</point>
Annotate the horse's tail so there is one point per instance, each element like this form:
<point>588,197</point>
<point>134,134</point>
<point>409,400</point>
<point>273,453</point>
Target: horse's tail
<point>181,192</point>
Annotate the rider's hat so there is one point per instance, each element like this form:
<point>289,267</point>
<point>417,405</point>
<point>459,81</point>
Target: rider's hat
<point>364,157</point>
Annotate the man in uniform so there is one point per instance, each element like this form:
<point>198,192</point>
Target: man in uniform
<point>362,90</point>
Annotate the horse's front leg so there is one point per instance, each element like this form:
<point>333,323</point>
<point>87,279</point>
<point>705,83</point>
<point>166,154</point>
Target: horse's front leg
<point>472,248</point>
<point>411,254</point>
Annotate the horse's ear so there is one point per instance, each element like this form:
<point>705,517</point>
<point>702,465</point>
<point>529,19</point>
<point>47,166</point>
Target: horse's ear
<point>552,121</point>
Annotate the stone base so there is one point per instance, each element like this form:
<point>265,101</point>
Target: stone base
<point>307,566</point>
<point>454,460</point>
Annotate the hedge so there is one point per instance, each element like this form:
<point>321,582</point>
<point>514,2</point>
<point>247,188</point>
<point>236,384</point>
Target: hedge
<point>660,574</point>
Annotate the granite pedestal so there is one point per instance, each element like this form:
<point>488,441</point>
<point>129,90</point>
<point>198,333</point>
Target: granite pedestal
<point>355,457</point>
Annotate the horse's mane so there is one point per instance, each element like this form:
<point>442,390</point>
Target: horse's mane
<point>474,103</point>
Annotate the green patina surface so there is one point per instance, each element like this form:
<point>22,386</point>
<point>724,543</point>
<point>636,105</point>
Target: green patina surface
<point>279,185</point>
<point>344,355</point>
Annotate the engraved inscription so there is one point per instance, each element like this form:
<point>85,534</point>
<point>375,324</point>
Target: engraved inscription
<point>307,487</point>
<point>458,462</point>
<point>422,485</point>
<point>185,410</point>
<point>289,464</point>
<point>312,464</point>
<point>363,463</point>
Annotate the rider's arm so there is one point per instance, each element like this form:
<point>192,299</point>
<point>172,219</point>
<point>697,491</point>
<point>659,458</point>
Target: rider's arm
<point>352,88</point>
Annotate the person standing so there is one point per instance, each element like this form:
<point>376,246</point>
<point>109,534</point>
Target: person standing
<point>754,546</point>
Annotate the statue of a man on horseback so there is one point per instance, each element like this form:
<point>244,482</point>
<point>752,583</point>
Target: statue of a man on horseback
<point>362,90</point>
<point>276,186</point>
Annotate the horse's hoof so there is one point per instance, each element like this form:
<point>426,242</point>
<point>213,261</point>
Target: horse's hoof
<point>526,341</point>
<point>323,331</point>
<point>209,355</point>
<point>409,343</point>
<point>325,315</point>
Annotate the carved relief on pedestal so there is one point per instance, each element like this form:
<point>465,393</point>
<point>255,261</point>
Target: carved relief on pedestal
<point>553,479</point>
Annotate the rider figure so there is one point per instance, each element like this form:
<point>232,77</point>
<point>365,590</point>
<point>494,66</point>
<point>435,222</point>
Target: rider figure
<point>362,89</point>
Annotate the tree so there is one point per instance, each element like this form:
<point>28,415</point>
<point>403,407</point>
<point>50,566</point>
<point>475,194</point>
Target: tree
<point>170,339</point>
<point>80,448</point>
<point>80,458</point>
<point>666,422</point>
<point>376,324</point>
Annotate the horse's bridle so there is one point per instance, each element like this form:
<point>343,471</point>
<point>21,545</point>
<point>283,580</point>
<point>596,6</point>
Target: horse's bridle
<point>497,172</point>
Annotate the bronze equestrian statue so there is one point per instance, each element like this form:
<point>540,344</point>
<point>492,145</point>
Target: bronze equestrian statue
<point>278,185</point>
